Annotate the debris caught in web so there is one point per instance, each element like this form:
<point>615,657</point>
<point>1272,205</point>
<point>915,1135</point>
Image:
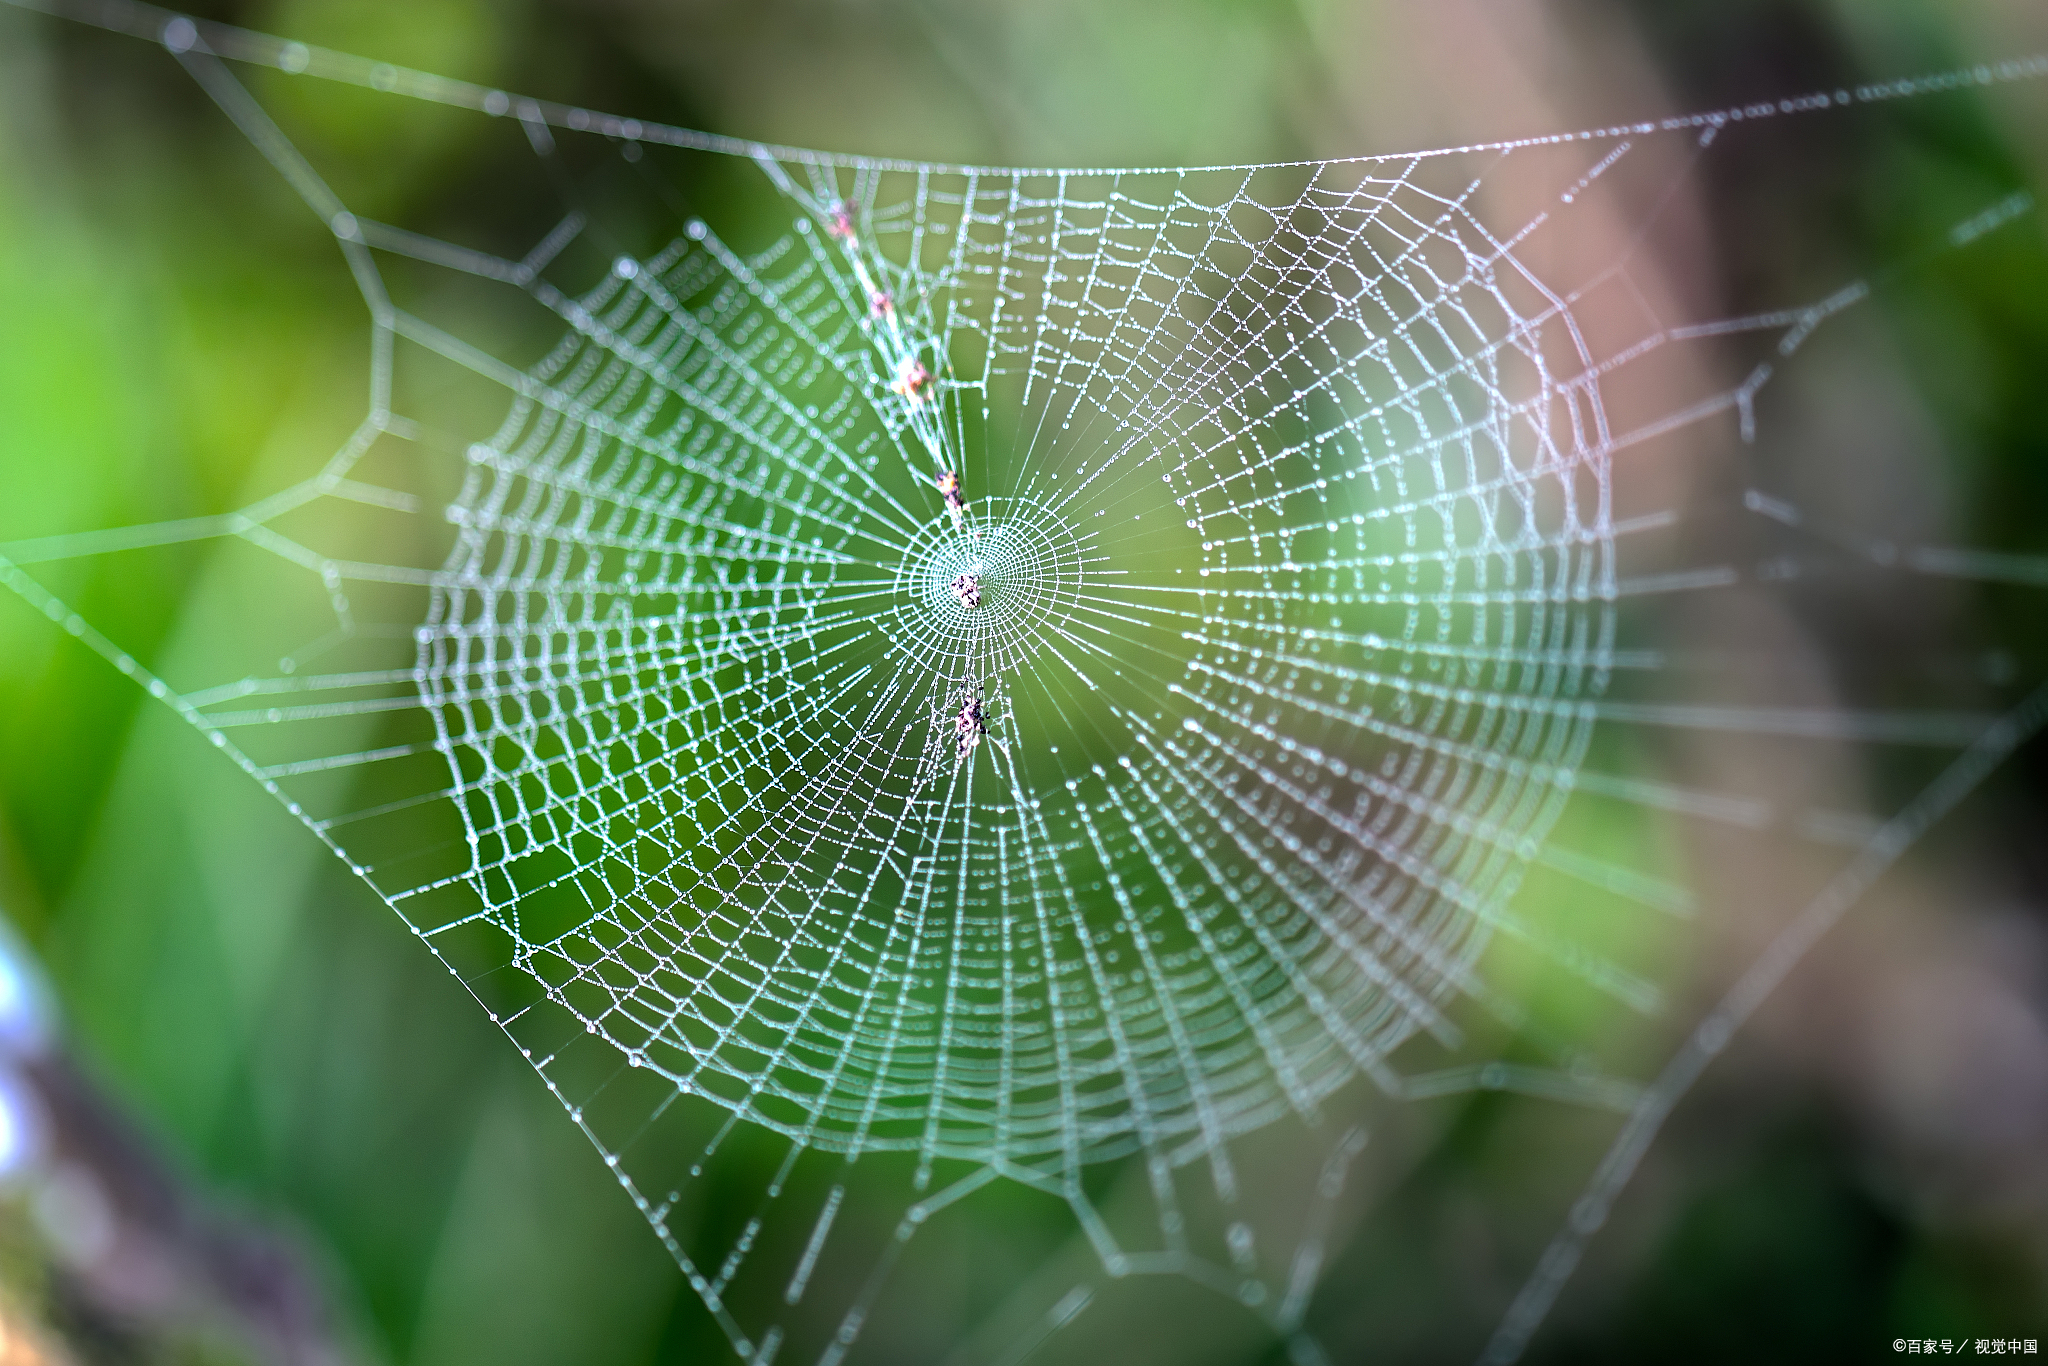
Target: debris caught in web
<point>913,381</point>
<point>956,503</point>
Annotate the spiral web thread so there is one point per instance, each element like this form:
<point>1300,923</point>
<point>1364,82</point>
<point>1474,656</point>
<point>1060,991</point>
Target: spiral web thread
<point>1289,495</point>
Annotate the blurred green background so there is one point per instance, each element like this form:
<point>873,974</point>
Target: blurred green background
<point>173,323</point>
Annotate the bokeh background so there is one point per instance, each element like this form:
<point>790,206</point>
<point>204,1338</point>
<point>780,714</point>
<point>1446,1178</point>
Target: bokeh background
<point>1869,1161</point>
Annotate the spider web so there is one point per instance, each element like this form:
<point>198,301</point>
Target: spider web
<point>1296,503</point>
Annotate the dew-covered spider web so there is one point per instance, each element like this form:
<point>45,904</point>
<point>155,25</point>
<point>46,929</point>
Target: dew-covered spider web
<point>1105,684</point>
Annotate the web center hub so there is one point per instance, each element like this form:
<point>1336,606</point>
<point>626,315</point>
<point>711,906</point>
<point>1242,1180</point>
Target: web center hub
<point>980,600</point>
